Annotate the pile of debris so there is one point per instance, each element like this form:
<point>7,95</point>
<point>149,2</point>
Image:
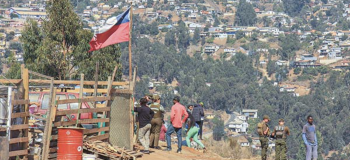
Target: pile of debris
<point>104,149</point>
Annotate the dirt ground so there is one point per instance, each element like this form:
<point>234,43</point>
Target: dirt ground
<point>187,154</point>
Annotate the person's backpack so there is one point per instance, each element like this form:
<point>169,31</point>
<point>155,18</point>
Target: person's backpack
<point>279,131</point>
<point>259,129</point>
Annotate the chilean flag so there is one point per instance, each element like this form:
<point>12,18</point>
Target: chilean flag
<point>116,30</point>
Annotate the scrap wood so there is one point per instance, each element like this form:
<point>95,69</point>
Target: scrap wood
<point>105,149</point>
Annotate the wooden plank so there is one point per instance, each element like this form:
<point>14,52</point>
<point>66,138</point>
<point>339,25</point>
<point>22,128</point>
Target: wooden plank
<point>18,102</point>
<point>18,153</point>
<point>16,127</point>
<point>25,77</point>
<point>76,82</point>
<point>58,124</point>
<point>121,91</point>
<point>19,140</point>
<point>86,110</point>
<point>132,118</point>
<point>96,82</point>
<point>100,105</point>
<point>48,124</point>
<point>10,81</point>
<point>100,137</point>
<point>78,100</point>
<point>85,90</point>
<point>4,149</point>
<point>94,130</point>
<point>109,87</point>
<point>20,114</point>
<point>16,81</point>
<point>38,74</point>
<point>80,96</point>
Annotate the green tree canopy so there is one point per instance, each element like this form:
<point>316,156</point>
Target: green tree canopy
<point>245,15</point>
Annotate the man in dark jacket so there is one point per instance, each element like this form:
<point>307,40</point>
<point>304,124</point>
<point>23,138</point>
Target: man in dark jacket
<point>198,113</point>
<point>145,115</point>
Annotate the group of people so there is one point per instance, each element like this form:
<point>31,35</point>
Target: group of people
<point>281,132</point>
<point>152,125</point>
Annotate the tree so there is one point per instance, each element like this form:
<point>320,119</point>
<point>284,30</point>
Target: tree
<point>170,38</point>
<point>149,3</point>
<point>245,15</point>
<point>239,34</point>
<point>196,36</point>
<point>290,44</point>
<point>293,7</point>
<point>154,28</point>
<point>59,48</point>
<point>216,22</point>
<point>16,46</point>
<point>10,36</point>
<point>324,1</point>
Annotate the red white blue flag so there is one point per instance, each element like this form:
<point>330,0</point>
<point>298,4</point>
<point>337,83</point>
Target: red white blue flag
<point>116,30</point>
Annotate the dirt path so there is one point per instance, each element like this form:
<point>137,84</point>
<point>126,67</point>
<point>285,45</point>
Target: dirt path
<point>187,153</point>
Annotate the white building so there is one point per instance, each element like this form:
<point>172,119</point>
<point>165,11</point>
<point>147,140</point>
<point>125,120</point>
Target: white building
<point>250,113</point>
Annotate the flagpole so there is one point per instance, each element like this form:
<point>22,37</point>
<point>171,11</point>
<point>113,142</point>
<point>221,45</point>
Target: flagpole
<point>130,55</point>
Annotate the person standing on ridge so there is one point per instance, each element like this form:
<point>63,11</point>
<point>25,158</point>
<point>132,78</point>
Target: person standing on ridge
<point>264,132</point>
<point>197,114</point>
<point>156,122</point>
<point>202,122</point>
<point>177,118</point>
<point>310,139</point>
<point>145,115</point>
<point>281,132</point>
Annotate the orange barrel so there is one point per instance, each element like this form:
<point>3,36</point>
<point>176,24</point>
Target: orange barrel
<point>70,143</point>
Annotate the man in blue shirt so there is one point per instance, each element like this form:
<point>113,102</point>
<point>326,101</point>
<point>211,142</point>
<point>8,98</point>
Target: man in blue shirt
<point>310,139</point>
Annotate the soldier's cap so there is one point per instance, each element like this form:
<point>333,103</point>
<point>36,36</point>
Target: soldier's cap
<point>281,120</point>
<point>266,117</point>
<point>156,97</point>
<point>177,98</point>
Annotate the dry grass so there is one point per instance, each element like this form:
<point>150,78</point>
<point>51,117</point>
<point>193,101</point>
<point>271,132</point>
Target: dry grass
<point>229,149</point>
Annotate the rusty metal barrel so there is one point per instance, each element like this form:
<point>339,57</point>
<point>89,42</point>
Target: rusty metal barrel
<point>70,143</point>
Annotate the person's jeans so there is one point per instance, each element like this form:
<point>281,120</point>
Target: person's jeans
<point>311,151</point>
<point>170,131</point>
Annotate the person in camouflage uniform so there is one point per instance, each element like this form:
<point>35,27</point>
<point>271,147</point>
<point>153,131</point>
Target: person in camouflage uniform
<point>156,122</point>
<point>264,132</point>
<point>281,132</point>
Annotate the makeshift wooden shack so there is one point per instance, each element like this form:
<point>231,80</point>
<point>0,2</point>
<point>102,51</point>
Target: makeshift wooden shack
<point>110,102</point>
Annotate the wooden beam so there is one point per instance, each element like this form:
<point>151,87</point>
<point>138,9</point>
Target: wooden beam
<point>10,81</point>
<point>86,110</point>
<point>121,91</point>
<point>106,102</point>
<point>96,83</point>
<point>82,100</point>
<point>16,81</point>
<point>100,137</point>
<point>94,130</point>
<point>18,153</point>
<point>80,95</point>
<point>20,114</point>
<point>40,75</point>
<point>16,127</point>
<point>25,77</point>
<point>18,102</point>
<point>48,124</point>
<point>77,82</point>
<point>19,140</point>
<point>58,124</point>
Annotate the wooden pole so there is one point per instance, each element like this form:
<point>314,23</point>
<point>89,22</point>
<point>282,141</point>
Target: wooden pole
<point>80,95</point>
<point>96,82</point>
<point>48,124</point>
<point>114,72</point>
<point>133,137</point>
<point>25,77</point>
<point>130,55</point>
